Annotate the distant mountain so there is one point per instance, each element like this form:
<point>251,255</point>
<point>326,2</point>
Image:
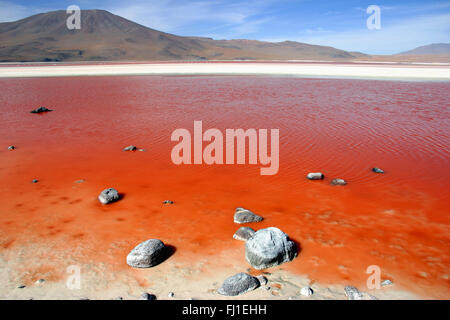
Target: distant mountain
<point>435,48</point>
<point>105,36</point>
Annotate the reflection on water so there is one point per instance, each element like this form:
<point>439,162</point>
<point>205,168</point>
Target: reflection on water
<point>342,128</point>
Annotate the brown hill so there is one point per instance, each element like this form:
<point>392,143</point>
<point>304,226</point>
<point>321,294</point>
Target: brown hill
<point>104,36</point>
<point>434,48</point>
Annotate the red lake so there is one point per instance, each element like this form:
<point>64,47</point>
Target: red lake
<point>398,220</point>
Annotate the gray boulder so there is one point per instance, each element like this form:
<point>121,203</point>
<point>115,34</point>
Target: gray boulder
<point>238,284</point>
<point>315,176</point>
<point>11,148</point>
<point>108,195</point>
<point>243,233</point>
<point>268,248</point>
<point>242,215</point>
<point>338,182</point>
<point>147,254</point>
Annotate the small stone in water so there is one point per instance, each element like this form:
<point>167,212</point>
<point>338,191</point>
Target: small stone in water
<point>168,202</point>
<point>40,281</point>
<point>40,110</point>
<point>338,182</point>
<point>171,295</point>
<point>386,283</point>
<point>11,148</point>
<point>377,170</point>
<point>315,176</point>
<point>34,181</point>
<point>130,148</point>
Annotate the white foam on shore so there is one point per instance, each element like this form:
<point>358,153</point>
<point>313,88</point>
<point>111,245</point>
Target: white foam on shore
<point>441,73</point>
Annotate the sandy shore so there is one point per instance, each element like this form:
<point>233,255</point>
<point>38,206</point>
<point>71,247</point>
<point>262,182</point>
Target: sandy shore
<point>357,71</point>
<point>186,282</point>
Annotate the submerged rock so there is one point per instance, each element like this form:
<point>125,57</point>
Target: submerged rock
<point>168,202</point>
<point>40,110</point>
<point>238,284</point>
<point>243,233</point>
<point>268,248</point>
<point>377,170</point>
<point>11,148</point>
<point>34,181</point>
<point>338,182</point>
<point>147,254</point>
<point>242,215</point>
<point>130,148</point>
<point>108,196</point>
<point>147,296</point>
<point>315,176</point>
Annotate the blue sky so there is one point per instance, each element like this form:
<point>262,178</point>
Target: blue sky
<point>341,24</point>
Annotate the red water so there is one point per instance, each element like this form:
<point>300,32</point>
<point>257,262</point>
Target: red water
<point>398,221</point>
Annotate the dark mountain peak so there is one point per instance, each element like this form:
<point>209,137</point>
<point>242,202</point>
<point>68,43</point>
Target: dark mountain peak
<point>106,36</point>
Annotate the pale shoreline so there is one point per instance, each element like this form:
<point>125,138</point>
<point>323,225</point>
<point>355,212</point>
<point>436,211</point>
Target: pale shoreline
<point>186,281</point>
<point>338,71</point>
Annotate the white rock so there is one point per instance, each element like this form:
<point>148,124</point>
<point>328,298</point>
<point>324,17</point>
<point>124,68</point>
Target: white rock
<point>306,291</point>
